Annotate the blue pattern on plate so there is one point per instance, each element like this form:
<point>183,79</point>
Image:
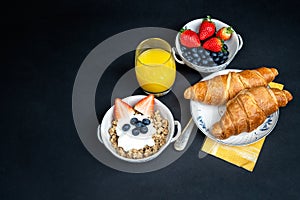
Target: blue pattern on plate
<point>267,124</point>
<point>201,123</point>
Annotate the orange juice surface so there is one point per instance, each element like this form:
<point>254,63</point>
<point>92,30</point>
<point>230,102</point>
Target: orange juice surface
<point>155,70</point>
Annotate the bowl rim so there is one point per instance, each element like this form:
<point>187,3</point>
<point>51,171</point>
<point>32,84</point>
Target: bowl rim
<point>203,68</point>
<point>103,133</point>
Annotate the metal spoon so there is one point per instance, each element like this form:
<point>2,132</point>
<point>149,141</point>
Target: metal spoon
<point>181,142</point>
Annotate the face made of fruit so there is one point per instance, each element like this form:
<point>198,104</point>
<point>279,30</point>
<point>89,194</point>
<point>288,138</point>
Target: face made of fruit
<point>134,127</point>
<point>135,132</point>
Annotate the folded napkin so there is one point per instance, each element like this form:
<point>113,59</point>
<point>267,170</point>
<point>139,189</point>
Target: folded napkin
<point>242,156</point>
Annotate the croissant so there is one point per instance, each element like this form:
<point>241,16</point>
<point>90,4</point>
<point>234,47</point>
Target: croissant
<point>220,89</point>
<point>249,109</point>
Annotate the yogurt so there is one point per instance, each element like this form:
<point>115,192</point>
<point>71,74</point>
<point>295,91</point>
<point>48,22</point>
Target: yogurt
<point>127,140</point>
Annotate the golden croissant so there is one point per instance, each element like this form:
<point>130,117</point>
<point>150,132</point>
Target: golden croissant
<point>249,109</point>
<point>222,88</point>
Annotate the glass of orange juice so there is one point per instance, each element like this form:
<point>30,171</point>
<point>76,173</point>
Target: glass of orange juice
<point>155,66</point>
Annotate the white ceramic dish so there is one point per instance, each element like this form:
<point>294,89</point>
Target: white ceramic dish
<point>104,137</point>
<point>234,45</point>
<point>205,116</point>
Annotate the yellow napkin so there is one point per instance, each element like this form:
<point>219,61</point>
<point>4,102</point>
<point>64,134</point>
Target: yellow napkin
<point>242,156</point>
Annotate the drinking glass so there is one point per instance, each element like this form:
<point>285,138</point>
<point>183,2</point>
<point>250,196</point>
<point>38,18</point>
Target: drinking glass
<point>155,66</point>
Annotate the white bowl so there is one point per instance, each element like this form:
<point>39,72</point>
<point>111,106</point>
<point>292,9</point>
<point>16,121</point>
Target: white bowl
<point>104,137</point>
<point>234,44</point>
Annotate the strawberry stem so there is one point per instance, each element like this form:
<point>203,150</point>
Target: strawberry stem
<point>208,18</point>
<point>229,30</point>
<point>182,29</point>
<point>222,41</point>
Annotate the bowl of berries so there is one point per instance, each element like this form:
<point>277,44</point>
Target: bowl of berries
<point>207,45</point>
<point>138,128</point>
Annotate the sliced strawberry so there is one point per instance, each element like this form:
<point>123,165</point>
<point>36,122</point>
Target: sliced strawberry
<point>213,44</point>
<point>189,38</point>
<point>225,33</point>
<point>122,109</point>
<point>146,105</point>
<point>206,29</point>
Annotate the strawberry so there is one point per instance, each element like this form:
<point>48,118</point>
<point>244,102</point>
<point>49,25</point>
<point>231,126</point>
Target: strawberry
<point>225,33</point>
<point>206,29</point>
<point>122,109</point>
<point>189,38</point>
<point>146,105</point>
<point>213,44</point>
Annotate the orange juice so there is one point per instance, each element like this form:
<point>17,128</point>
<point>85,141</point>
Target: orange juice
<point>155,70</point>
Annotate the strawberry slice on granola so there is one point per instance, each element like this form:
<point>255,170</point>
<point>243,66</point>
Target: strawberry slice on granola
<point>145,105</point>
<point>122,109</point>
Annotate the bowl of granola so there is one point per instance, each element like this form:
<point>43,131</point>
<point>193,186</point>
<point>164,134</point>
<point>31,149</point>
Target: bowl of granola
<point>138,128</point>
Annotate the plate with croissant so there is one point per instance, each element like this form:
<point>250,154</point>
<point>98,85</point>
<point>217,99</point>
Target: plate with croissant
<point>236,107</point>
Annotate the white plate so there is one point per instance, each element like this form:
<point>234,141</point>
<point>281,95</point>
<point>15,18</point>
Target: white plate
<point>205,116</point>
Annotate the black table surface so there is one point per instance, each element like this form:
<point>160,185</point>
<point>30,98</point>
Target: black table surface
<point>43,46</point>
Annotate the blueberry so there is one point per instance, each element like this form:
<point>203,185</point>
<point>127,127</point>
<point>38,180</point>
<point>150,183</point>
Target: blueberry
<point>220,54</point>
<point>222,61</point>
<point>216,59</point>
<point>200,51</point>
<point>213,54</point>
<point>226,53</point>
<point>225,57</point>
<point>225,47</point>
<point>195,55</point>
<point>144,129</point>
<point>135,131</point>
<point>139,124</point>
<point>211,64</point>
<point>125,127</point>
<point>203,56</point>
<point>198,60</point>
<point>207,53</point>
<point>194,50</point>
<point>195,61</point>
<point>184,54</point>
<point>133,121</point>
<point>146,121</point>
<point>188,53</point>
<point>189,58</point>
<point>183,48</point>
<point>204,62</point>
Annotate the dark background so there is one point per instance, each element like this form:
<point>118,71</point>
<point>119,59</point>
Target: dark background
<point>43,46</point>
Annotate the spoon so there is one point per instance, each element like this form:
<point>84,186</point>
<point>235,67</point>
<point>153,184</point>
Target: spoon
<point>181,142</point>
